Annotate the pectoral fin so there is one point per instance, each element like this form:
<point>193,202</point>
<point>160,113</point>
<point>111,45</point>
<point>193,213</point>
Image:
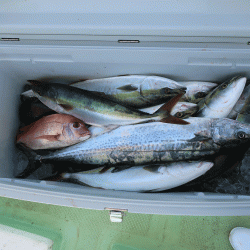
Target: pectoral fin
<point>152,169</point>
<point>199,138</point>
<point>49,137</point>
<point>67,107</point>
<point>128,88</point>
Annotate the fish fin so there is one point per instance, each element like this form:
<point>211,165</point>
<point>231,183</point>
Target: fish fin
<point>167,107</point>
<point>29,93</point>
<point>34,161</point>
<point>80,80</point>
<point>152,169</point>
<point>105,169</point>
<point>174,120</point>
<point>49,137</point>
<point>164,111</point>
<point>22,131</point>
<point>124,75</point>
<point>128,87</point>
<point>199,138</point>
<point>35,82</point>
<point>67,107</point>
<point>120,168</point>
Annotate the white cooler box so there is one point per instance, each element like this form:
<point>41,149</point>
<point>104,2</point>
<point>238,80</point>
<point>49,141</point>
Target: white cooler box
<point>71,40</point>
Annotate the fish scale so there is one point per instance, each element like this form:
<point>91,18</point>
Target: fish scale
<point>149,142</point>
<point>96,110</point>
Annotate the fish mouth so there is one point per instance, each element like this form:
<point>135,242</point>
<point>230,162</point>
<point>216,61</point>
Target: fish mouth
<point>168,91</point>
<point>181,90</point>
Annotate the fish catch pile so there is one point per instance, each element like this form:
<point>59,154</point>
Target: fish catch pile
<point>134,133</point>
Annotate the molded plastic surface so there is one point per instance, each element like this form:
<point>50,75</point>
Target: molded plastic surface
<point>70,61</point>
<point>133,18</point>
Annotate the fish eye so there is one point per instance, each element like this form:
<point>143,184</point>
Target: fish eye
<point>166,91</point>
<point>241,135</point>
<point>201,94</point>
<point>76,125</point>
<point>224,85</point>
<point>179,114</point>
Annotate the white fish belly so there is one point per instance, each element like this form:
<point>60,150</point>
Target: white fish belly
<point>221,106</point>
<point>138,179</point>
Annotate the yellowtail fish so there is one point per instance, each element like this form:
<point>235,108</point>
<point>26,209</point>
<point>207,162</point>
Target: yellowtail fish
<point>143,178</point>
<point>220,102</point>
<point>180,110</point>
<point>135,91</point>
<point>241,108</point>
<point>96,110</point>
<point>53,131</point>
<point>196,90</point>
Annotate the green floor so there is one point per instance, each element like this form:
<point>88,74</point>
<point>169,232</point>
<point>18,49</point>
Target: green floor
<point>74,228</point>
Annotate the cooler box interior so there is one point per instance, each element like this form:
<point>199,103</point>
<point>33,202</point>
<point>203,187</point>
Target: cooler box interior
<point>62,42</point>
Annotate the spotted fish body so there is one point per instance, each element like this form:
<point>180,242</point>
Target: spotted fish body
<point>143,178</point>
<point>136,91</point>
<point>220,102</point>
<point>156,142</point>
<point>196,90</point>
<point>95,110</point>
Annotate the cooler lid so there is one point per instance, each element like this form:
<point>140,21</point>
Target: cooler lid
<point>156,18</point>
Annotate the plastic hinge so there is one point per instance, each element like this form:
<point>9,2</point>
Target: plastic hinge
<point>116,216</point>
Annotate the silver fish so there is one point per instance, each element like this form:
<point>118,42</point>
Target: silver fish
<point>143,178</point>
<point>136,91</point>
<point>219,102</point>
<point>156,142</point>
<point>95,110</point>
<point>180,110</point>
<point>196,90</point>
<point>241,106</point>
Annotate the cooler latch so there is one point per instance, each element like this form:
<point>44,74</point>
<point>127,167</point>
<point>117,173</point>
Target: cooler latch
<point>9,39</point>
<point>116,215</point>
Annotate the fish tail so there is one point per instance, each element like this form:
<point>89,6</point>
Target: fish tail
<point>164,111</point>
<point>34,161</point>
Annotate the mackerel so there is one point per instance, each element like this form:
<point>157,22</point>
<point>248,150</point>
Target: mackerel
<point>155,143</point>
<point>142,178</point>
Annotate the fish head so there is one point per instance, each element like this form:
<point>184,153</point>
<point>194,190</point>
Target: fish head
<point>197,90</point>
<point>160,86</point>
<point>229,133</point>
<point>186,110</point>
<point>76,131</point>
<point>226,90</point>
<point>172,91</point>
